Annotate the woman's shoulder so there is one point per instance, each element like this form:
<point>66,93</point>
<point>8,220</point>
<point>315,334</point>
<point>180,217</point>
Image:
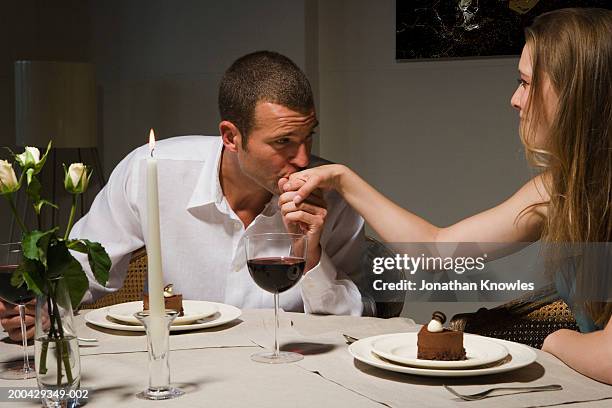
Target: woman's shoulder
<point>537,189</point>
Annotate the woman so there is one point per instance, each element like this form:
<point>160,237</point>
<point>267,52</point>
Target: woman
<point>564,100</point>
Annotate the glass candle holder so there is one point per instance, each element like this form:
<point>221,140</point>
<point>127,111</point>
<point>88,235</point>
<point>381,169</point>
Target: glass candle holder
<point>158,336</point>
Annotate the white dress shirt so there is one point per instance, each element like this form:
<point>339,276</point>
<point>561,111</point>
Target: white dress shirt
<point>203,251</point>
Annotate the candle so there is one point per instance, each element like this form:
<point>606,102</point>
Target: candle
<point>156,280</point>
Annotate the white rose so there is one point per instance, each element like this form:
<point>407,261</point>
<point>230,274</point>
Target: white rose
<point>8,179</point>
<point>77,173</point>
<point>30,157</point>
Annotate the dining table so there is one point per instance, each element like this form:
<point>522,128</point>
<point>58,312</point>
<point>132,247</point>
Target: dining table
<point>213,367</point>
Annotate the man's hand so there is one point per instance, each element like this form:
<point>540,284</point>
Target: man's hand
<point>307,217</point>
<point>9,319</point>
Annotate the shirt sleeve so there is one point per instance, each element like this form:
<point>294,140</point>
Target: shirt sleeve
<point>113,221</point>
<point>330,287</point>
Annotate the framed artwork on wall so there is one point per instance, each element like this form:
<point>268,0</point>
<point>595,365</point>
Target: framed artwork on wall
<point>431,29</point>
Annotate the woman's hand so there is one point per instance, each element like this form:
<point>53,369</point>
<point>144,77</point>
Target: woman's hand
<point>305,182</point>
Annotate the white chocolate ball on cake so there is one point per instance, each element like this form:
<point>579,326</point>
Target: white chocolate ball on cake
<point>434,326</point>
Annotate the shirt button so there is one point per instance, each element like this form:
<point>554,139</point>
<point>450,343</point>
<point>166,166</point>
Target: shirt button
<point>237,225</point>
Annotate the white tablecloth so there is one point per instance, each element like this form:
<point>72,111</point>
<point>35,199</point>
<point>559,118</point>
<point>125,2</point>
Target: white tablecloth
<point>214,369</point>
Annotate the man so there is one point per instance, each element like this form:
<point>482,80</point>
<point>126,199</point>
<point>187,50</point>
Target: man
<point>214,191</point>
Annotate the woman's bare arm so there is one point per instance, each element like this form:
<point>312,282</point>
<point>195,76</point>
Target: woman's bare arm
<point>504,223</point>
<point>569,346</point>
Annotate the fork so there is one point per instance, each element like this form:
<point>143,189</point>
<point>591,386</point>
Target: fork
<point>349,339</point>
<point>485,394</point>
<point>85,340</point>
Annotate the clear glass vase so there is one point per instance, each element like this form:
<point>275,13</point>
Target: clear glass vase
<point>57,359</point>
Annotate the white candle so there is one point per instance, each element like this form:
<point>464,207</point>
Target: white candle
<point>156,280</point>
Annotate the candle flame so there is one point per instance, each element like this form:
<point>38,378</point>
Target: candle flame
<point>151,141</point>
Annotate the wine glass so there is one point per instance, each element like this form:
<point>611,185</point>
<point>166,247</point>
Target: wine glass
<point>10,258</point>
<point>276,263</point>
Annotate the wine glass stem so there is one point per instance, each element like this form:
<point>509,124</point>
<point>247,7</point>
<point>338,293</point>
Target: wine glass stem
<point>276,348</point>
<point>24,338</point>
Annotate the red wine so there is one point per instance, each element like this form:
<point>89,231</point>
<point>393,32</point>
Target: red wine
<point>10,293</point>
<point>276,274</point>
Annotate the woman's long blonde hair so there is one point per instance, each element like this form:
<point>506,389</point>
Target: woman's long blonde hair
<point>573,49</point>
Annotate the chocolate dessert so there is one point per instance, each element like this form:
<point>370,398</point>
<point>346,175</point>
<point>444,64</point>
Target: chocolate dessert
<point>171,301</point>
<point>437,343</point>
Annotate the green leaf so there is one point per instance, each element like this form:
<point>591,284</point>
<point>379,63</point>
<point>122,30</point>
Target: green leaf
<point>76,245</point>
<point>43,159</point>
<point>21,179</point>
<point>38,206</point>
<point>17,278</point>
<point>99,260</point>
<point>29,175</point>
<point>32,273</point>
<point>67,180</point>
<point>89,174</point>
<point>30,244</point>
<point>43,245</point>
<point>61,263</point>
<point>34,188</point>
<point>5,191</point>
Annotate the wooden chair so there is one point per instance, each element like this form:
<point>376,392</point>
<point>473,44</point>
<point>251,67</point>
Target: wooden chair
<point>133,285</point>
<point>394,303</point>
<point>527,320</point>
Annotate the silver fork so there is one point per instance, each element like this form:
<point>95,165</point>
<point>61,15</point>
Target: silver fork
<point>485,394</point>
<point>83,342</point>
<point>349,339</point>
<point>92,340</point>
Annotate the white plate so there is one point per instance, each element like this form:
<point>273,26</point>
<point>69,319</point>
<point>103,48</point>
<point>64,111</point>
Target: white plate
<point>520,354</point>
<point>192,309</point>
<point>402,348</point>
<point>225,314</point>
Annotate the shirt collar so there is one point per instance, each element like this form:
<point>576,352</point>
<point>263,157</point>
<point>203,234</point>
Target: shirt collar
<point>204,191</point>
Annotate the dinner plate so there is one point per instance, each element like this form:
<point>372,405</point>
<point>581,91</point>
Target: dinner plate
<point>192,310</point>
<point>519,356</point>
<point>225,314</point>
<point>402,348</point>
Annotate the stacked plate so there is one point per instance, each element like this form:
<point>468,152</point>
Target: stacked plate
<point>197,315</point>
<point>484,355</point>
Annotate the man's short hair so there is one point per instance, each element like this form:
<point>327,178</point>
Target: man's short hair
<point>262,76</point>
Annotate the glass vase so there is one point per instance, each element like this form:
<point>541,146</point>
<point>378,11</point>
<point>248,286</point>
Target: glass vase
<point>57,359</point>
